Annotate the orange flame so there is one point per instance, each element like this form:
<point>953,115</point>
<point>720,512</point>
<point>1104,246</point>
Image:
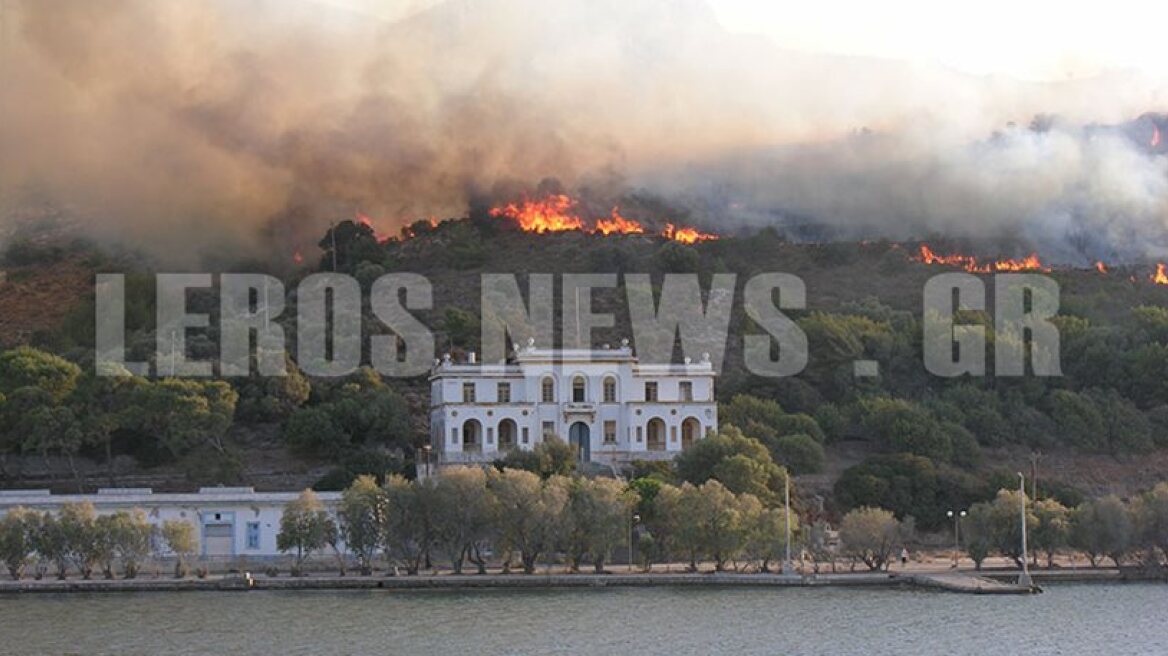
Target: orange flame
<point>1161,275</point>
<point>967,262</point>
<point>1155,136</point>
<point>365,220</point>
<point>556,213</point>
<point>973,265</point>
<point>618,225</point>
<point>1101,267</point>
<point>1029,263</point>
<point>686,235</point>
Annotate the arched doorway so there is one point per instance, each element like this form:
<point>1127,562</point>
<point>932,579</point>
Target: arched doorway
<point>472,435</point>
<point>656,437</point>
<point>507,434</point>
<point>580,436</point>
<point>690,429</point>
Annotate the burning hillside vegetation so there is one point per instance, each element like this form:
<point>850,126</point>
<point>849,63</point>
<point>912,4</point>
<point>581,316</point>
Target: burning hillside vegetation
<point>561,213</point>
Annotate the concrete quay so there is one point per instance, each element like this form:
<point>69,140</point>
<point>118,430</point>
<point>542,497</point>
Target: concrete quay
<point>941,581</point>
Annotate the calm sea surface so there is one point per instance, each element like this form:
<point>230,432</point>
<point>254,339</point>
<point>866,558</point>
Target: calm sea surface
<point>1069,619</point>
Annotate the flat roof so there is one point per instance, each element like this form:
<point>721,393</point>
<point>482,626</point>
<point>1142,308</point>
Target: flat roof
<point>147,497</point>
<point>531,355</point>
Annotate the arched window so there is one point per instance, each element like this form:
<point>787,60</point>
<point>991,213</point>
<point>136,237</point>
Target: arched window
<point>579,390</point>
<point>506,434</point>
<point>690,431</point>
<point>548,390</point>
<point>610,390</point>
<point>472,437</point>
<point>656,434</point>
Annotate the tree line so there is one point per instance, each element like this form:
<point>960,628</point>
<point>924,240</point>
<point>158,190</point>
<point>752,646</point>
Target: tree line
<point>76,537</point>
<point>1133,532</point>
<point>1125,532</point>
<point>522,520</point>
<point>51,406</point>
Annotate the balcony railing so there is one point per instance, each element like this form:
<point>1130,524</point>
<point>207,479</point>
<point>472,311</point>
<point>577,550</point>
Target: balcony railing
<point>457,457</point>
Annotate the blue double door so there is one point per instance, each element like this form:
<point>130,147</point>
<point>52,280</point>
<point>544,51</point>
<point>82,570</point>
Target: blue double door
<point>580,435</point>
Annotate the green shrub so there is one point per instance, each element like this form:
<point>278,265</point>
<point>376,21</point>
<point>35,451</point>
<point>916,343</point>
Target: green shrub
<point>801,453</point>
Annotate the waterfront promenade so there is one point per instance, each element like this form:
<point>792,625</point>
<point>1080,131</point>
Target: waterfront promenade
<point>989,582</point>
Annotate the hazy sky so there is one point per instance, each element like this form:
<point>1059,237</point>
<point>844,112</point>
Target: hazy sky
<point>1034,39</point>
<point>1031,39</point>
<point>896,118</point>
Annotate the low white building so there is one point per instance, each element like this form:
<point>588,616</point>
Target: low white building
<point>611,407</point>
<point>229,521</point>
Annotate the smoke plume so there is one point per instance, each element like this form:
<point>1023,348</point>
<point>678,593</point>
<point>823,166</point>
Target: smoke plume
<point>190,126</point>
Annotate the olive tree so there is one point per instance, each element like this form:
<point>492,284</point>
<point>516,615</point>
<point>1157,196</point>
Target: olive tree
<point>662,525</point>
<point>1102,528</point>
<point>304,528</point>
<point>1151,514</point>
<point>464,512</point>
<point>363,515</point>
<point>179,537</point>
<point>596,519</point>
<point>1006,520</point>
<point>710,524</point>
<point>52,543</point>
<point>84,544</point>
<point>979,533</point>
<point>101,540</point>
<point>18,531</point>
<point>687,535</point>
<point>529,513</point>
<point>409,521</point>
<point>1053,529</point>
<point>767,539</point>
<point>870,535</point>
<point>130,535</point>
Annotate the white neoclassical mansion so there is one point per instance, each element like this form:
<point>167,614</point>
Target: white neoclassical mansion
<point>610,406</point>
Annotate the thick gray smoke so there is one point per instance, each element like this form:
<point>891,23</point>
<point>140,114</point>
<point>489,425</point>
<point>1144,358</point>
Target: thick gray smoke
<point>1076,194</point>
<point>187,125</point>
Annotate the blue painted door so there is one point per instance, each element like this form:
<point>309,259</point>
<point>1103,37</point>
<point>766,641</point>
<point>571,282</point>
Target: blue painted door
<point>579,435</point>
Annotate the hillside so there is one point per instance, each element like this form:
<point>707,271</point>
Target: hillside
<point>35,299</point>
<point>1101,427</point>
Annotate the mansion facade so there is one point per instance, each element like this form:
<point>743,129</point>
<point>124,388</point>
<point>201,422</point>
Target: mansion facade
<point>603,401</point>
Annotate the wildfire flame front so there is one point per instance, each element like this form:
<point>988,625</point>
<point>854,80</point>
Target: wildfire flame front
<point>558,213</point>
<point>972,264</point>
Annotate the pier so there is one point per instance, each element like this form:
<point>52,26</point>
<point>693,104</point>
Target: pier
<point>966,583</point>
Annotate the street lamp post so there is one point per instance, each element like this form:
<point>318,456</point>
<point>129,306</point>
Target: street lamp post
<point>788,566</point>
<point>633,521</point>
<point>956,517</point>
<point>1024,579</point>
